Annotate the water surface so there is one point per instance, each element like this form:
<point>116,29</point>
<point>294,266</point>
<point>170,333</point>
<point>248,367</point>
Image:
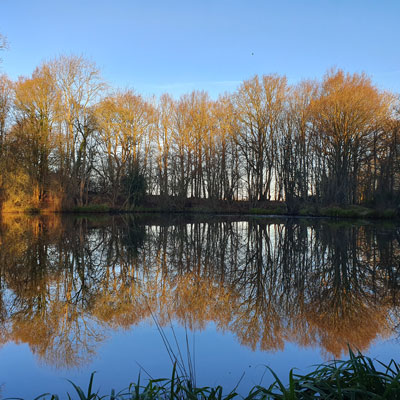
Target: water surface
<point>85,294</point>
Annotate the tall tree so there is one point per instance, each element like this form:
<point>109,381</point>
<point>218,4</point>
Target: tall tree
<point>294,161</point>
<point>80,86</point>
<point>347,113</point>
<point>126,124</point>
<point>259,108</point>
<point>36,105</point>
<point>6,101</point>
<point>166,110</point>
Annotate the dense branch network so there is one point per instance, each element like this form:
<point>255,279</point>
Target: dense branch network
<point>68,139</point>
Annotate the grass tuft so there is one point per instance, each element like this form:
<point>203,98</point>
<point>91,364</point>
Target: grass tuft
<point>359,377</point>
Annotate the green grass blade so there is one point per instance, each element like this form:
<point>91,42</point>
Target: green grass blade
<point>78,390</point>
<point>89,394</point>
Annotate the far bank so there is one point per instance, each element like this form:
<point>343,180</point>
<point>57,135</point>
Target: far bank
<point>171,205</point>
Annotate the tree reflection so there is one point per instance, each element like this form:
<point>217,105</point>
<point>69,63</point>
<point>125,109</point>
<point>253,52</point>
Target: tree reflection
<point>66,282</point>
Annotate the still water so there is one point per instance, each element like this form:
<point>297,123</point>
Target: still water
<point>230,294</point>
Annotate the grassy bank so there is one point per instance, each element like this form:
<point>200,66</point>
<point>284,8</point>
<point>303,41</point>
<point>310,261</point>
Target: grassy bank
<point>168,205</point>
<point>245,208</point>
<point>359,377</point>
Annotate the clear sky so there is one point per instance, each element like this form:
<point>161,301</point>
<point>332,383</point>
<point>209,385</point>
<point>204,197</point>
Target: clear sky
<point>176,46</point>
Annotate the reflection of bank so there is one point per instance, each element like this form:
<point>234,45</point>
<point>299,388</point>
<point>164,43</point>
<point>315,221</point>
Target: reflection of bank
<point>66,283</point>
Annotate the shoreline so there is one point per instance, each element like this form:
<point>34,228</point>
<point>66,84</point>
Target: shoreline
<point>234,209</point>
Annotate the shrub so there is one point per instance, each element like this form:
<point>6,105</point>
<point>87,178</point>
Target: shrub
<point>93,208</point>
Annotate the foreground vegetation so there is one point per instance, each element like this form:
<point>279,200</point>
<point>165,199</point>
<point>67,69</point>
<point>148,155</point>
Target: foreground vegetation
<point>357,378</point>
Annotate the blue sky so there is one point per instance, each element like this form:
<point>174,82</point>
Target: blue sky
<point>177,46</point>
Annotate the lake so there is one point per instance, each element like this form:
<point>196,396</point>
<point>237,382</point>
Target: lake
<point>228,295</point>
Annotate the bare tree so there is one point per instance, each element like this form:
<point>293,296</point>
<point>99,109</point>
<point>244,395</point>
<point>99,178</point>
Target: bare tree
<point>259,108</point>
<point>125,127</point>
<point>80,86</point>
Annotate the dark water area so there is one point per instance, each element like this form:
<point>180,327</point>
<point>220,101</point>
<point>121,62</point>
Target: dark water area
<point>84,294</point>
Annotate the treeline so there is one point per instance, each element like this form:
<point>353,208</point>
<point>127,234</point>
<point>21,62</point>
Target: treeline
<point>68,139</point>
